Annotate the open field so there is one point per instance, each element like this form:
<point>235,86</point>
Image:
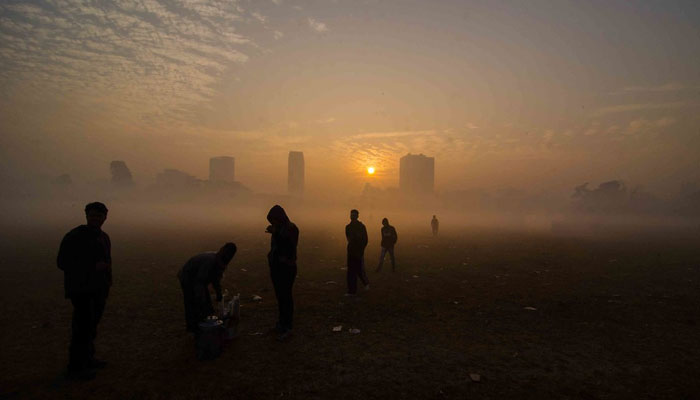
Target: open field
<point>615,318</point>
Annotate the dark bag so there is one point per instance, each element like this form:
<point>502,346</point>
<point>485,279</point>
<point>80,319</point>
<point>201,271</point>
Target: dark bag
<point>210,339</point>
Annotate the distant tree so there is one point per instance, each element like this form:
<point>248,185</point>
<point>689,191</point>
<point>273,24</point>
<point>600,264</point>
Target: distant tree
<point>120,173</point>
<point>610,196</point>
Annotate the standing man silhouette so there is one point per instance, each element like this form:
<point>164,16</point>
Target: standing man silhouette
<point>389,238</point>
<point>282,259</point>
<point>356,233</point>
<point>85,257</point>
<point>435,224</point>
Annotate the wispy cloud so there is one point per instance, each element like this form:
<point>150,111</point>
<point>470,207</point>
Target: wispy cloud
<point>317,26</point>
<point>621,108</point>
<point>666,87</point>
<point>147,58</point>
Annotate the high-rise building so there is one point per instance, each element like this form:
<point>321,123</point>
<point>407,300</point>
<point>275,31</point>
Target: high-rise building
<point>221,169</point>
<point>295,172</point>
<point>417,174</point>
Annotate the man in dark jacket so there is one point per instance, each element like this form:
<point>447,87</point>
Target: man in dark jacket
<point>282,259</point>
<point>389,238</point>
<point>195,277</point>
<point>356,233</point>
<point>86,261</point>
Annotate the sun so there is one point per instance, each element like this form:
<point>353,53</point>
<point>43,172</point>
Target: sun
<point>370,170</point>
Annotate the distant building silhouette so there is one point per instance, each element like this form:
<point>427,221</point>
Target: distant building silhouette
<point>120,173</point>
<point>295,172</point>
<point>221,169</point>
<point>176,179</point>
<point>417,174</point>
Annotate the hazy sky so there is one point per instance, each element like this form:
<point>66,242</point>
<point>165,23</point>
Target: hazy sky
<point>524,94</point>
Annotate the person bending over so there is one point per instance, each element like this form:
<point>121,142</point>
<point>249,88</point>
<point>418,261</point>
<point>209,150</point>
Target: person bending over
<point>195,277</point>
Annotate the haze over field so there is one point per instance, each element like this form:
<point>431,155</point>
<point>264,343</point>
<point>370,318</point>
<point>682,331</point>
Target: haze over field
<point>537,95</point>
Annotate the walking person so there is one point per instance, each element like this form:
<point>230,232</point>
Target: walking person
<point>435,225</point>
<point>389,238</point>
<point>195,277</point>
<point>86,261</point>
<point>282,259</point>
<point>356,234</point>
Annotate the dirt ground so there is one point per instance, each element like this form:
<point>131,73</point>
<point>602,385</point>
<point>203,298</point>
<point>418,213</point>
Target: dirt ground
<point>613,318</point>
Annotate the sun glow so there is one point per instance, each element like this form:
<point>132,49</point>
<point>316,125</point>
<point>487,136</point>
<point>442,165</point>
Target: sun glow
<point>370,170</point>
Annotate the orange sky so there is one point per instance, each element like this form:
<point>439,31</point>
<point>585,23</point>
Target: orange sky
<point>540,95</point>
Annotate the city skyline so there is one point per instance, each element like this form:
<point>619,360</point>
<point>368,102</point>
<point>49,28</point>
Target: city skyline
<point>539,95</point>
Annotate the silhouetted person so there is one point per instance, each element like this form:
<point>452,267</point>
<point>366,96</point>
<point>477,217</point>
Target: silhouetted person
<point>435,224</point>
<point>283,266</point>
<point>86,261</point>
<point>356,233</point>
<point>389,238</point>
<point>195,277</point>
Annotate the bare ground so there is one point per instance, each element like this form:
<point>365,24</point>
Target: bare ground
<point>614,318</point>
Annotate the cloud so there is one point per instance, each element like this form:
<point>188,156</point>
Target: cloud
<point>278,35</point>
<point>622,108</point>
<point>259,16</point>
<point>667,87</point>
<point>643,125</point>
<point>325,120</point>
<point>317,26</point>
<point>145,61</point>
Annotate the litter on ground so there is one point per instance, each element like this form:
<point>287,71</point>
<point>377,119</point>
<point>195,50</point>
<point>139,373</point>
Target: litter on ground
<point>530,308</point>
<point>338,328</point>
<point>354,331</point>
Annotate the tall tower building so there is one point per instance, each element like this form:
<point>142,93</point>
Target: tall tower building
<point>417,174</point>
<point>295,172</point>
<point>221,169</point>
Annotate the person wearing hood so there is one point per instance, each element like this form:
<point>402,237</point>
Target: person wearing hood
<point>389,238</point>
<point>282,259</point>
<point>356,233</point>
<point>195,277</point>
<point>86,261</point>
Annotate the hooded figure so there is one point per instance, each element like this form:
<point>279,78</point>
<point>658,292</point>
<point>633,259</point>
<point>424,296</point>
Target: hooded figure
<point>389,238</point>
<point>282,259</point>
<point>195,277</point>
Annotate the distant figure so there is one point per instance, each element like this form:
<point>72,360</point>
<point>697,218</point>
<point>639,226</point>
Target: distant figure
<point>86,261</point>
<point>389,238</point>
<point>195,277</point>
<point>435,224</point>
<point>282,259</point>
<point>356,233</point>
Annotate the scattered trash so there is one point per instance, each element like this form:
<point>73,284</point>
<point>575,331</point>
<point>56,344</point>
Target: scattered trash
<point>338,328</point>
<point>530,308</point>
<point>475,377</point>
<point>257,298</point>
<point>415,276</point>
<point>255,333</point>
<point>331,283</point>
<point>354,331</point>
<point>244,270</point>
<point>455,302</point>
<point>343,268</point>
<point>464,263</point>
